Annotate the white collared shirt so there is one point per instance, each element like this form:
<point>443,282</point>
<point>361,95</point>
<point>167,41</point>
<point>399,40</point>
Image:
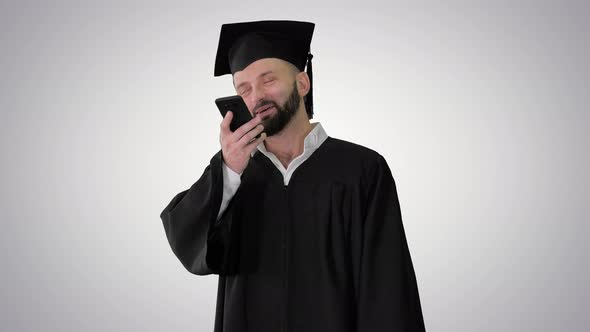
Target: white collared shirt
<point>232,180</point>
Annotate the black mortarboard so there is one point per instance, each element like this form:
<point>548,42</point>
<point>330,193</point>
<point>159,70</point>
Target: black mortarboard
<point>240,44</point>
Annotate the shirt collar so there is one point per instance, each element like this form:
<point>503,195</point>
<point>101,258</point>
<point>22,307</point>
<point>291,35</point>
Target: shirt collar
<point>312,141</point>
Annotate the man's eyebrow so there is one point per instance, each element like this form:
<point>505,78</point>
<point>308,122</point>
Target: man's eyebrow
<point>263,74</point>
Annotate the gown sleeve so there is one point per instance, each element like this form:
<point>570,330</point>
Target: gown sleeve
<point>202,243</point>
<point>387,292</point>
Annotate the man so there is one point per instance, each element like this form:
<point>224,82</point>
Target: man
<point>304,230</point>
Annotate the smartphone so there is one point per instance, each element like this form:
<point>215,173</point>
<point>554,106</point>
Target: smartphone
<point>238,107</point>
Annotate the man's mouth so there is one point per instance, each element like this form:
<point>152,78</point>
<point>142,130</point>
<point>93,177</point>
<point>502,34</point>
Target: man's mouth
<point>264,109</point>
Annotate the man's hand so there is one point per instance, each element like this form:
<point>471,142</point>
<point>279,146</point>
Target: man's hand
<point>237,146</point>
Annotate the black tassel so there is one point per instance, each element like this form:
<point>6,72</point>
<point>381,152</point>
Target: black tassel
<point>309,97</point>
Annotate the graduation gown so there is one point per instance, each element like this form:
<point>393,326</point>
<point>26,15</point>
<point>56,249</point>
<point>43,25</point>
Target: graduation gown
<point>328,252</point>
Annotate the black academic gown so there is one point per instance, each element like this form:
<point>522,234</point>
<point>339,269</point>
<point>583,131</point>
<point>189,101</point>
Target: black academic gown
<point>326,253</point>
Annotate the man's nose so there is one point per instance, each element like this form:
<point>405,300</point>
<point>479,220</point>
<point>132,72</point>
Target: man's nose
<point>257,96</point>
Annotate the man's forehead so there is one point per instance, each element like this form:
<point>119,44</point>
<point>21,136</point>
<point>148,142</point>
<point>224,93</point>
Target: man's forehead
<point>259,68</point>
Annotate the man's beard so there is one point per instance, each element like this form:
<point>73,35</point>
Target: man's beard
<point>283,115</point>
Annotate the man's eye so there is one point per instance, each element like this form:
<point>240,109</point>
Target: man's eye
<point>244,92</point>
<point>269,81</point>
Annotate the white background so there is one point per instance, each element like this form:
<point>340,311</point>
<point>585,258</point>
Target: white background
<point>479,108</point>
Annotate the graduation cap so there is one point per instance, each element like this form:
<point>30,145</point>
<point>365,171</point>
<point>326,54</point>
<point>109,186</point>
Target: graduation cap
<point>240,44</point>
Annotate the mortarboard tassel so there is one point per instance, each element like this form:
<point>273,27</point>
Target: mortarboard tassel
<point>309,96</point>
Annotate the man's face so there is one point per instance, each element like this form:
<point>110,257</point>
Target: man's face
<point>269,89</point>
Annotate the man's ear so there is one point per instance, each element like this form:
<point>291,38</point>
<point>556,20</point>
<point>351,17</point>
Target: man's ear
<point>303,83</point>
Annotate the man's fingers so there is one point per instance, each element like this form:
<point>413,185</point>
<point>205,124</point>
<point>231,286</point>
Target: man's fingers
<point>251,135</point>
<point>246,127</point>
<point>253,144</point>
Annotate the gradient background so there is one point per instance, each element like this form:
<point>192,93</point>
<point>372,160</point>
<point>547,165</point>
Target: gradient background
<point>479,108</point>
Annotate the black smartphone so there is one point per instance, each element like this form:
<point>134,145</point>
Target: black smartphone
<point>238,107</point>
